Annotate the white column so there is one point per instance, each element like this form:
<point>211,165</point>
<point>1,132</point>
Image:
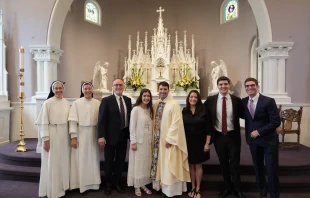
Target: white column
<point>47,77</point>
<point>281,75</point>
<point>272,76</point>
<point>47,58</point>
<point>264,82</point>
<point>273,56</point>
<point>40,72</point>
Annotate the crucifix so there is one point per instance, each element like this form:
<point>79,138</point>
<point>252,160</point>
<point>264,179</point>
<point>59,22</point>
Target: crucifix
<point>160,11</point>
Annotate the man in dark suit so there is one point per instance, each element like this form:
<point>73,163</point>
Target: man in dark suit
<point>224,111</point>
<point>112,133</point>
<point>261,120</point>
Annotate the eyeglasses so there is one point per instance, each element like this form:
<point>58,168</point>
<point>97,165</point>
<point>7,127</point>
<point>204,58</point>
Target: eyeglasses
<point>118,85</point>
<point>251,85</point>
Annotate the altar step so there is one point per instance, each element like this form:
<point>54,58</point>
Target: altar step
<point>294,177</point>
<point>288,184</point>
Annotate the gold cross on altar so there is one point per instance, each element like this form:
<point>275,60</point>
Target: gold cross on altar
<point>160,11</point>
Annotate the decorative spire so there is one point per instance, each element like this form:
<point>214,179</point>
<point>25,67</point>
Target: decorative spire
<point>176,42</point>
<point>185,42</point>
<point>160,29</point>
<point>138,40</point>
<point>129,47</point>
<point>145,43</point>
<point>193,47</point>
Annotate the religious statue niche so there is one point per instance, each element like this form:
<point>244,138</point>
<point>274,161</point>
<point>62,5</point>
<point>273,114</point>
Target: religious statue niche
<point>156,60</point>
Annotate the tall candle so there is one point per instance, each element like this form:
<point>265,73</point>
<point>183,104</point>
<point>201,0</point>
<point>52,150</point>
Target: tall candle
<point>21,68</point>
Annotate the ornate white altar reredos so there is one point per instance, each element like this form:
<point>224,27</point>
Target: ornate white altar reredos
<point>148,67</point>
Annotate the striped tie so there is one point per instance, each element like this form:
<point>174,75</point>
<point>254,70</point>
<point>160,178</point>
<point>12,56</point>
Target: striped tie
<point>122,112</point>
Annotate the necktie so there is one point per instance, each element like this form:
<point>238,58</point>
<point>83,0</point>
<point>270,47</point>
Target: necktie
<point>122,112</point>
<point>252,111</point>
<point>224,117</point>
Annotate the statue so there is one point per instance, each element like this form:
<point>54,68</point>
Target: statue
<point>217,71</point>
<point>100,76</point>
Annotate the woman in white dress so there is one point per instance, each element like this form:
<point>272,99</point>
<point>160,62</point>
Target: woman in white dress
<point>55,152</point>
<point>85,160</point>
<point>140,139</point>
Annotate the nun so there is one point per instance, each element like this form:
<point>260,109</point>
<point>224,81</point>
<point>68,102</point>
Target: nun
<point>85,160</point>
<point>55,151</point>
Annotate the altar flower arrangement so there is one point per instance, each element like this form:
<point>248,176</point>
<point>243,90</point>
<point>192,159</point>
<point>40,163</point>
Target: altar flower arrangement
<point>135,80</point>
<point>186,80</point>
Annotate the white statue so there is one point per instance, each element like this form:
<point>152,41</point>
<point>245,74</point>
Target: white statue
<point>217,71</point>
<point>100,76</point>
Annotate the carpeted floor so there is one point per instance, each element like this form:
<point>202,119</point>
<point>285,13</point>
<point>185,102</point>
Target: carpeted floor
<point>16,189</point>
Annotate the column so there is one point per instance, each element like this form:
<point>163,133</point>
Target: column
<point>40,79</point>
<point>281,72</point>
<point>273,56</point>
<point>47,58</point>
<point>272,76</point>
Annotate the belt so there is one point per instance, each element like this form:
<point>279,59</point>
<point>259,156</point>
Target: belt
<point>228,132</point>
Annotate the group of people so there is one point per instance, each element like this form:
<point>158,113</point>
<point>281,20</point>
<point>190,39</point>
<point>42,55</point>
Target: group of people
<point>167,145</point>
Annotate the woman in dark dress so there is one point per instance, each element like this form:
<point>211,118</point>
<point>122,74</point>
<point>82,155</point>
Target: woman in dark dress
<point>197,138</point>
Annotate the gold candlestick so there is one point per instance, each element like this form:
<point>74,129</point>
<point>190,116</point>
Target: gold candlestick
<point>21,146</point>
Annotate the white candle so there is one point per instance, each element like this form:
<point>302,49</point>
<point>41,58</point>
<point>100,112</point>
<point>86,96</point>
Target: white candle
<point>21,58</point>
<point>21,69</point>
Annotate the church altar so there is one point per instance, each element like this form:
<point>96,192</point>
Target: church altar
<point>146,67</point>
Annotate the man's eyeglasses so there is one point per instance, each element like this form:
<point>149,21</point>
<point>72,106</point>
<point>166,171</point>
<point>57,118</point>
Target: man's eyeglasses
<point>118,85</point>
<point>251,85</point>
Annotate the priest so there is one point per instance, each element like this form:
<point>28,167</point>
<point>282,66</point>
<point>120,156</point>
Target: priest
<point>170,169</point>
<point>85,160</point>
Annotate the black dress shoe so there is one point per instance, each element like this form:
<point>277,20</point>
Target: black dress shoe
<point>107,190</point>
<point>119,189</point>
<point>163,195</point>
<point>225,193</point>
<point>239,194</point>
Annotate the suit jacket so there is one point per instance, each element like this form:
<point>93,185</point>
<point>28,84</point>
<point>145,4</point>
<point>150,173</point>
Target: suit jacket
<point>109,120</point>
<point>210,105</point>
<point>266,120</point>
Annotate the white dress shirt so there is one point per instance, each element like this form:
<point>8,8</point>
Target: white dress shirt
<point>229,113</point>
<point>125,108</point>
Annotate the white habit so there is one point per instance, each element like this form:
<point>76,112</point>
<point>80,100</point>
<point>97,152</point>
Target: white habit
<point>85,160</point>
<point>53,126</point>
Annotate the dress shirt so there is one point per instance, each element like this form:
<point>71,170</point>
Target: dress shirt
<point>229,111</point>
<point>255,99</point>
<point>125,108</point>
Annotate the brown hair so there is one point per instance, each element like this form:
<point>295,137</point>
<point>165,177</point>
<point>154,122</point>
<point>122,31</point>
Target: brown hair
<point>199,105</point>
<point>149,105</point>
<point>223,78</point>
<point>251,79</point>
